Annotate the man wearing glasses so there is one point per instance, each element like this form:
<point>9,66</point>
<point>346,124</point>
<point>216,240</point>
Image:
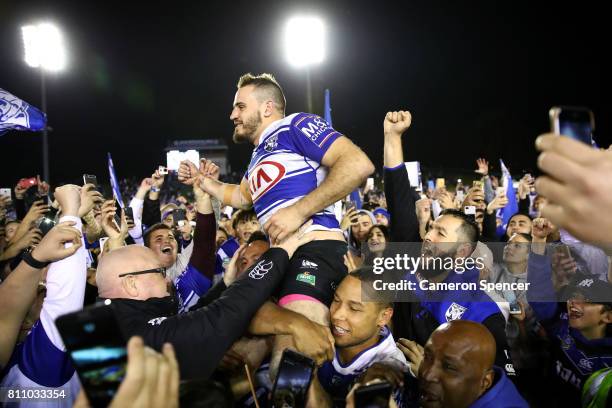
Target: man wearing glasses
<point>134,279</point>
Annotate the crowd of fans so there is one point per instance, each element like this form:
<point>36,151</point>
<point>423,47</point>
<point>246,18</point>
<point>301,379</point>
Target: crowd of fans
<point>203,278</point>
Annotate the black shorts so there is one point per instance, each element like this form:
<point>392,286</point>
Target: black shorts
<point>315,271</point>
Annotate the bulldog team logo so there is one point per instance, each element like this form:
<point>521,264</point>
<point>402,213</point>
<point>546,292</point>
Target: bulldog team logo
<point>17,114</point>
<point>454,312</point>
<point>264,176</point>
<point>271,144</point>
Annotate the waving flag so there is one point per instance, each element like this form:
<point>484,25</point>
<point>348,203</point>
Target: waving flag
<point>114,182</point>
<point>327,113</point>
<point>512,207</point>
<point>19,115</point>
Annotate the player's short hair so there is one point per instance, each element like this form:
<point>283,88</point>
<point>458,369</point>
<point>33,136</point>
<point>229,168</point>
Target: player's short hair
<point>366,275</point>
<point>267,88</point>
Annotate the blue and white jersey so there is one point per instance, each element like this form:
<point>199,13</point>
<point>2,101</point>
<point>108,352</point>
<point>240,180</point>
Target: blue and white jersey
<point>224,256</point>
<point>190,286</point>
<point>337,378</point>
<point>189,283</point>
<point>286,166</point>
<point>41,360</point>
<point>39,364</point>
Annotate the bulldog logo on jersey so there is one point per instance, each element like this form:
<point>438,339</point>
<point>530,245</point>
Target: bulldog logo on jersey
<point>264,176</point>
<point>454,312</point>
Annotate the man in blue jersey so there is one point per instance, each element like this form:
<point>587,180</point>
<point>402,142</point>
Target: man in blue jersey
<point>452,235</point>
<point>300,166</point>
<point>362,337</point>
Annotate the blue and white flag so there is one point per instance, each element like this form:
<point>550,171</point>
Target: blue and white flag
<point>512,207</point>
<point>327,108</point>
<point>19,115</point>
<point>114,181</point>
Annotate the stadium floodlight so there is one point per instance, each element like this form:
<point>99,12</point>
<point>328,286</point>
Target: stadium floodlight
<point>44,47</point>
<point>304,41</point>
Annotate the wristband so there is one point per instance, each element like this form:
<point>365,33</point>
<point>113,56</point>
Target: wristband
<point>29,259</point>
<point>154,189</point>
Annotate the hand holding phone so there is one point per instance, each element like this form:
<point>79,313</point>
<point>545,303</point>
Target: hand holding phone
<point>162,170</point>
<point>293,380</point>
<point>375,395</point>
<point>93,338</point>
<point>575,122</point>
<point>90,179</point>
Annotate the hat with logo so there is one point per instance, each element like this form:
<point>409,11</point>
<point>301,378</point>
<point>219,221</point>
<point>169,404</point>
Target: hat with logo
<point>591,287</point>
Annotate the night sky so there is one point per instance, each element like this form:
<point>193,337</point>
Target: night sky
<point>478,77</point>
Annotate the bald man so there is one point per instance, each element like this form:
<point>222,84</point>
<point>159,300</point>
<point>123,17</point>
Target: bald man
<point>458,372</point>
<point>133,278</point>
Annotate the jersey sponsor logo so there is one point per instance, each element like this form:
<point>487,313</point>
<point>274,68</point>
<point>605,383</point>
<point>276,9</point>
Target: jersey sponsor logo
<point>261,269</point>
<point>314,128</point>
<point>271,144</point>
<point>157,321</point>
<point>454,312</point>
<point>309,264</point>
<point>264,176</point>
<point>307,278</point>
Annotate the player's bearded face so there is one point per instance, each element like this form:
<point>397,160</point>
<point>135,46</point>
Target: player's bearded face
<point>246,128</point>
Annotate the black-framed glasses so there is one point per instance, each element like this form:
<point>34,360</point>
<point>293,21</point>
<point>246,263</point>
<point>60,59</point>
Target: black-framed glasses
<point>156,270</point>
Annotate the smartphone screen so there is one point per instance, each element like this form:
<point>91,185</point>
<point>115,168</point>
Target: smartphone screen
<point>575,122</point>
<point>293,380</point>
<point>97,349</point>
<point>90,179</point>
<point>129,213</point>
<point>373,396</point>
<point>5,192</point>
<point>515,307</point>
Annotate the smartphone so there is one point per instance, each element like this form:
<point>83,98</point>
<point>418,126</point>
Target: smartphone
<point>431,185</point>
<point>90,179</point>
<point>373,395</point>
<point>478,184</point>
<point>460,195</point>
<point>45,224</point>
<point>575,122</point>
<point>563,250</point>
<point>27,183</point>
<point>293,380</point>
<point>129,213</point>
<point>469,210</point>
<point>440,183</point>
<point>179,217</point>
<point>97,349</point>
<point>5,192</point>
<point>350,205</point>
<point>500,191</point>
<point>414,175</point>
<point>515,308</point>
<point>162,170</point>
<point>369,183</point>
